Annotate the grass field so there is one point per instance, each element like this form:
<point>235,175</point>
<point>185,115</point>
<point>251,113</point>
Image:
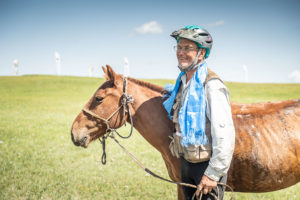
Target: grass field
<point>39,161</point>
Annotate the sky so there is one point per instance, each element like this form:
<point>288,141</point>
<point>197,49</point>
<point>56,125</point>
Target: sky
<point>253,40</point>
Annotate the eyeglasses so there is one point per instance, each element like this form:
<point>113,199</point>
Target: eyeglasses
<point>184,49</point>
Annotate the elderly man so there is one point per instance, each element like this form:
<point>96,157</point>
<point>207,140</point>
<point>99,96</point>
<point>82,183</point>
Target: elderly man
<point>199,106</point>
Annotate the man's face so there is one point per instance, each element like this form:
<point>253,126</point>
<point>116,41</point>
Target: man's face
<point>186,52</point>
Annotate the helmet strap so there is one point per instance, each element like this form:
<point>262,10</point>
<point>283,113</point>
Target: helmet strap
<point>194,63</point>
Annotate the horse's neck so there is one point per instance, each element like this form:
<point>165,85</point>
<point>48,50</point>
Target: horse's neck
<point>149,116</point>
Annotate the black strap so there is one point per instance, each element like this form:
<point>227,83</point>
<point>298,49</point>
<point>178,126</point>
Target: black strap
<point>103,157</point>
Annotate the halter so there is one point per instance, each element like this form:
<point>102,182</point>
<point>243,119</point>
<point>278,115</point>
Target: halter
<point>125,100</point>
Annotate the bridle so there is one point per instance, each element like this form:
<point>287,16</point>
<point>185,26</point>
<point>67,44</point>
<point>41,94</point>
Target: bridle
<point>125,100</point>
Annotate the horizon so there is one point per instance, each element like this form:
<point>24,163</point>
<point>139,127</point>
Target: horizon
<point>144,79</point>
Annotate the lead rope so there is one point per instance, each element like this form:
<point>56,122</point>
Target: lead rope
<point>216,197</point>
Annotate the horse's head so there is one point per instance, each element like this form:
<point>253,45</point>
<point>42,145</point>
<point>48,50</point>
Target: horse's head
<point>102,111</point>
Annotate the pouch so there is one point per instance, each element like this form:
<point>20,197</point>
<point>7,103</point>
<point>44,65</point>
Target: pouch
<point>196,154</point>
<point>191,153</point>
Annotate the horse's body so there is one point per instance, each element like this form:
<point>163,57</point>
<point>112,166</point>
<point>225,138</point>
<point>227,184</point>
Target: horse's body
<point>267,150</point>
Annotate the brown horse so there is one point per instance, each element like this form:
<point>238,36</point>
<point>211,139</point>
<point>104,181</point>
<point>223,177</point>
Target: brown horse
<point>267,150</point>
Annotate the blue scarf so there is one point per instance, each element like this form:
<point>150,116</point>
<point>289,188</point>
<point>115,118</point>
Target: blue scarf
<point>192,112</point>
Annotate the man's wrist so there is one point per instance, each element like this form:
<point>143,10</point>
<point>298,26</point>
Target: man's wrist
<point>212,173</point>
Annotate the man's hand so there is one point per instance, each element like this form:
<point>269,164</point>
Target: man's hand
<point>206,184</point>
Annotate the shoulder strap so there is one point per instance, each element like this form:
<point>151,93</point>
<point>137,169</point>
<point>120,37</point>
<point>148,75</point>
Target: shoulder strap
<point>211,75</point>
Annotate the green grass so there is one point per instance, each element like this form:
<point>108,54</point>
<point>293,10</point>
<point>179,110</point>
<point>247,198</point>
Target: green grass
<point>39,161</point>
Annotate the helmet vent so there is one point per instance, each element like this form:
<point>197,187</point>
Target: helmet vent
<point>203,34</point>
<point>209,42</point>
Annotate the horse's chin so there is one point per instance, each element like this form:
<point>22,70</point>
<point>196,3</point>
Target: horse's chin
<point>87,142</point>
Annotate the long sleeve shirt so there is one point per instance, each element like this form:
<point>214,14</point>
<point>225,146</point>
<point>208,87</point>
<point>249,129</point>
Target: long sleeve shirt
<point>218,111</point>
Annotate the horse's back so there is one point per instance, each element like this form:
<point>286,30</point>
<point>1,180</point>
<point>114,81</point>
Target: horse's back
<point>265,107</point>
<point>267,149</point>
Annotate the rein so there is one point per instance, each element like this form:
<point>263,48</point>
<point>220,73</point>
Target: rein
<point>112,136</point>
<point>126,99</point>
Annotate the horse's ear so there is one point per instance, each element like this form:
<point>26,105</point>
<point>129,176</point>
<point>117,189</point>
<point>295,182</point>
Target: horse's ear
<point>110,74</point>
<point>105,73</point>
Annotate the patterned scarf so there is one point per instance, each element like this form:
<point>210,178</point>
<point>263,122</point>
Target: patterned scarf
<point>192,112</point>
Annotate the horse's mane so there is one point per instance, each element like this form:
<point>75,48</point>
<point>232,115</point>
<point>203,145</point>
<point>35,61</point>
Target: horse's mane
<point>147,84</point>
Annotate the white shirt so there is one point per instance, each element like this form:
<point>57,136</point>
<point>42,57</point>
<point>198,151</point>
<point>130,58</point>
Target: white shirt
<point>218,111</point>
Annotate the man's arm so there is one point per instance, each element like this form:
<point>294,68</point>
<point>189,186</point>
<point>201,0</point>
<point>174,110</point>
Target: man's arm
<point>222,132</point>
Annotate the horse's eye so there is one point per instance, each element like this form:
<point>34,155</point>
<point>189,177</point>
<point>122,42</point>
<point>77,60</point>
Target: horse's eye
<point>99,99</point>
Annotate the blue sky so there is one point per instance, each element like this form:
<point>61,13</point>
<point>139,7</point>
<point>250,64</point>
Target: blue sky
<point>257,36</point>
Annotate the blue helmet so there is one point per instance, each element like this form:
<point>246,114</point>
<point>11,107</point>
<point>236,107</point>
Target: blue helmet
<point>196,34</point>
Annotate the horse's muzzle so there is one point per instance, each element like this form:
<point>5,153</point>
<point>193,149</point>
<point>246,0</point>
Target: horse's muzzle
<point>79,142</point>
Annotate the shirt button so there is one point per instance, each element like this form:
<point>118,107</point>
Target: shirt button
<point>222,125</point>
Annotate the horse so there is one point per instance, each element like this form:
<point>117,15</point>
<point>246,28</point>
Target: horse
<point>267,144</point>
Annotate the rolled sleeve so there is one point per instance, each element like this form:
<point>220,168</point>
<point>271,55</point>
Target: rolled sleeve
<point>222,129</point>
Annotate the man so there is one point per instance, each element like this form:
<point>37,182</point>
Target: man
<point>200,109</point>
